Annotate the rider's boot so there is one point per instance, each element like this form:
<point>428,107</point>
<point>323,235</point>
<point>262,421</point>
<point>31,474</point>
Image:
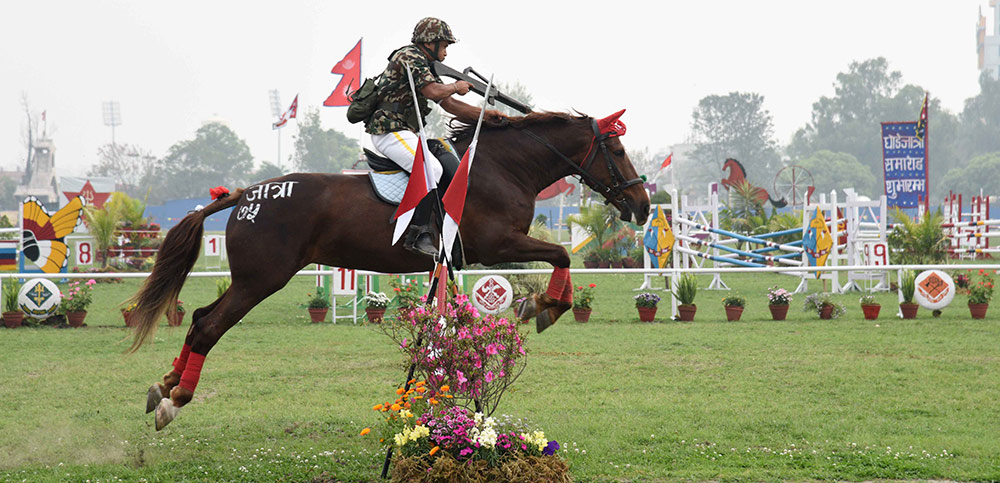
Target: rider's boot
<point>423,233</point>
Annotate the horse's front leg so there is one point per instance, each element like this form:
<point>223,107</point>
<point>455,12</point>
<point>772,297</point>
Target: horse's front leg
<point>558,298</point>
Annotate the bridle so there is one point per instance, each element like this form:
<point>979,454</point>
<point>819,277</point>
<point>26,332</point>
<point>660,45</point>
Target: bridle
<point>614,193</point>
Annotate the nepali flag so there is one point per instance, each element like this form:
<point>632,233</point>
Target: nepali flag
<point>454,198</point>
<point>922,122</point>
<point>420,185</point>
<point>667,161</point>
<point>350,68</point>
<point>289,114</point>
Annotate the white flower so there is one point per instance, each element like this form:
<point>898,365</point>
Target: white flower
<point>487,438</point>
<point>400,439</point>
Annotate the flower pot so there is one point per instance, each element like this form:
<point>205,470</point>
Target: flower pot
<point>589,264</point>
<point>978,311</point>
<point>127,316</point>
<point>581,315</point>
<point>75,319</point>
<point>14,319</point>
<point>176,320</point>
<point>646,314</point>
<point>318,315</point>
<point>909,310</point>
<point>685,313</point>
<point>375,314</point>
<point>603,264</point>
<point>778,312</point>
<point>826,312</point>
<point>871,311</point>
<point>733,312</point>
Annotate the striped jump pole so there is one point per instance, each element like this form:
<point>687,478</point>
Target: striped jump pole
<point>714,258</point>
<point>759,241</point>
<point>755,256</point>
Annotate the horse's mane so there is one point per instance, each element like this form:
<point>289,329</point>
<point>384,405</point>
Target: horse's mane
<point>459,131</point>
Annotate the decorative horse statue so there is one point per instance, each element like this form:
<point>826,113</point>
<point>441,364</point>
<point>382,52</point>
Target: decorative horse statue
<point>738,176</point>
<point>281,225</point>
<point>555,189</point>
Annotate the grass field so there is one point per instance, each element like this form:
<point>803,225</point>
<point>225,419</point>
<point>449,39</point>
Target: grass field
<point>284,399</point>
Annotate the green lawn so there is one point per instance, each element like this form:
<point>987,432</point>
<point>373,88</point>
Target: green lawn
<point>282,398</point>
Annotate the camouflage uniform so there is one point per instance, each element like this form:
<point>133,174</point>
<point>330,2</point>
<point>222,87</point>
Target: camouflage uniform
<point>396,112</point>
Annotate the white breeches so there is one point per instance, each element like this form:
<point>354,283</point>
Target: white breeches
<point>400,146</point>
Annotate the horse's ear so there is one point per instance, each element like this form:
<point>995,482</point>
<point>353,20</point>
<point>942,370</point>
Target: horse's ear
<point>611,124</point>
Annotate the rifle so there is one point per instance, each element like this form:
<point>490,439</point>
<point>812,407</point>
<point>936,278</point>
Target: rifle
<point>479,86</point>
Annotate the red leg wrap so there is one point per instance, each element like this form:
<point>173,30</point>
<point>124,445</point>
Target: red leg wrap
<point>180,362</point>
<point>192,372</point>
<point>567,295</point>
<point>558,283</point>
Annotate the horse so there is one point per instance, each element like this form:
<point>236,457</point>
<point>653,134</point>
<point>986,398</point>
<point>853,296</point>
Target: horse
<point>738,175</point>
<point>281,225</point>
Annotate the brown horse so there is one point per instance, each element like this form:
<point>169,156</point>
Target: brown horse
<point>282,225</point>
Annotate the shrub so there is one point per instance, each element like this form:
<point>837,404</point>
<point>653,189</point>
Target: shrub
<point>778,296</point>
<point>734,300</point>
<point>77,298</point>
<point>815,303</point>
<point>646,300</point>
<point>868,299</point>
<point>907,285</point>
<point>10,292</point>
<point>981,290</point>
<point>583,297</point>
<point>687,288</point>
<point>318,300</point>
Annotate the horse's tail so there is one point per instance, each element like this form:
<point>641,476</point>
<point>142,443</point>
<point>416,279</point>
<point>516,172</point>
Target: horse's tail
<point>174,260</point>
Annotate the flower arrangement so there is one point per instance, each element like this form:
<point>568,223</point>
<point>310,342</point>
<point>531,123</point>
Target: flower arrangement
<point>778,296</point>
<point>869,299</point>
<point>376,300</point>
<point>687,288</point>
<point>961,280</point>
<point>907,285</point>
<point>734,300</point>
<point>10,292</point>
<point>78,297</point>
<point>646,300</point>
<point>817,301</point>
<point>583,297</point>
<point>129,308</point>
<point>180,306</point>
<point>407,294</point>
<point>981,289</point>
<point>318,300</point>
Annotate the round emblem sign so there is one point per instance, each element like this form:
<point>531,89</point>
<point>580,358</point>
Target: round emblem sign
<point>935,289</point>
<point>492,294</point>
<point>39,298</point>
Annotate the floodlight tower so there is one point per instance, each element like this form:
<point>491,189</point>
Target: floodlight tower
<point>112,117</point>
<point>276,112</point>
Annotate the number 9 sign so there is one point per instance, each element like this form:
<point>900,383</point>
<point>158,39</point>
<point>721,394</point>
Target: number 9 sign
<point>876,254</point>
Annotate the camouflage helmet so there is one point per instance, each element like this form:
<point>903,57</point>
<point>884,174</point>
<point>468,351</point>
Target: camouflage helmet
<point>432,29</point>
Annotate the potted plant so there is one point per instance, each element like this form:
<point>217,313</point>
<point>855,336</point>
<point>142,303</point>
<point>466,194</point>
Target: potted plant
<point>176,318</point>
<point>870,306</point>
<point>590,259</point>
<point>907,286</point>
<point>777,301</point>
<point>687,288</point>
<point>645,303</point>
<point>583,297</point>
<point>318,305</point>
<point>75,302</point>
<point>12,315</point>
<point>823,305</point>
<point>375,304</point>
<point>127,314</point>
<point>734,304</point>
<point>980,294</point>
<point>603,257</point>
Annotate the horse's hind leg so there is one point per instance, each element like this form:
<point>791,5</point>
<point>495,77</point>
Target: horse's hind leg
<point>161,390</point>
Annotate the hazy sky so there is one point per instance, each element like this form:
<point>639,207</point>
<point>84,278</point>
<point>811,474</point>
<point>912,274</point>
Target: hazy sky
<point>173,65</point>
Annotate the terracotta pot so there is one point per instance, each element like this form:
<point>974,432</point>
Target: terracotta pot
<point>978,311</point>
<point>733,312</point>
<point>909,310</point>
<point>778,312</point>
<point>14,319</point>
<point>127,316</point>
<point>581,315</point>
<point>75,319</point>
<point>176,320</point>
<point>589,264</point>
<point>375,314</point>
<point>603,264</point>
<point>646,314</point>
<point>871,311</point>
<point>618,264</point>
<point>318,315</point>
<point>826,312</point>
<point>685,313</point>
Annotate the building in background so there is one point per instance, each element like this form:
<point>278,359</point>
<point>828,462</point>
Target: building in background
<point>40,175</point>
<point>988,46</point>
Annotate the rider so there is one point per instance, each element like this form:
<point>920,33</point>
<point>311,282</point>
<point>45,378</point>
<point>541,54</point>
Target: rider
<point>393,126</point>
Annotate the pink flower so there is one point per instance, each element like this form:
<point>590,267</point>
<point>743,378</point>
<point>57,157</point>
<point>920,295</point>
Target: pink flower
<point>91,282</point>
<point>489,376</point>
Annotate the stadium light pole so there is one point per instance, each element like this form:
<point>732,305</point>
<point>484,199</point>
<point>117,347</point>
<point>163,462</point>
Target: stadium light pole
<point>112,117</point>
<point>276,112</point>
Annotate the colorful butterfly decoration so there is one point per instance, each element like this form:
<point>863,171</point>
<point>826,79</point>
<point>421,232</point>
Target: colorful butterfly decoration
<point>43,239</point>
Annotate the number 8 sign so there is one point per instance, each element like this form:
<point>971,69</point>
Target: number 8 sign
<point>84,253</point>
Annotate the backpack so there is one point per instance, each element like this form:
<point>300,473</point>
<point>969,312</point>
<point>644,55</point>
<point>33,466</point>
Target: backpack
<point>364,101</point>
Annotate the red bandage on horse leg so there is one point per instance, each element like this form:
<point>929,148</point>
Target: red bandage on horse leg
<point>567,295</point>
<point>181,362</point>
<point>192,372</point>
<point>557,284</point>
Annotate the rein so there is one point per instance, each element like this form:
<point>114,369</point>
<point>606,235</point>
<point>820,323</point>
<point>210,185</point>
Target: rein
<point>614,193</point>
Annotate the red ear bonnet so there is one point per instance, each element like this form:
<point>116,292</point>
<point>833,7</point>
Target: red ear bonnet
<point>611,125</point>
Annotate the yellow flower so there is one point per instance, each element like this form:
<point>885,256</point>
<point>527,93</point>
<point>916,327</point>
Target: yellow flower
<point>366,431</point>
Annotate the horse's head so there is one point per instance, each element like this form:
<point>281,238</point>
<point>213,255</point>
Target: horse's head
<point>607,169</point>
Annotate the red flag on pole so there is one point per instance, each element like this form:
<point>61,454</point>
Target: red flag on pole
<point>416,190</point>
<point>666,162</point>
<point>350,68</point>
<point>289,114</point>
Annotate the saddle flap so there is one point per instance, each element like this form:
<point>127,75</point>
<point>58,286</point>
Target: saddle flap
<point>380,163</point>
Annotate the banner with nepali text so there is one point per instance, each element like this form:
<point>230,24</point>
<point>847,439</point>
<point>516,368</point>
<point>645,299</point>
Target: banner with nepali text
<point>904,161</point>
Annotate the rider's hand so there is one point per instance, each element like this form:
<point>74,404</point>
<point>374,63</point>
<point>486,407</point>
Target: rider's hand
<point>494,117</point>
<point>462,87</point>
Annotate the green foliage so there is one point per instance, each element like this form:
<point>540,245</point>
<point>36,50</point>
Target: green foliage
<point>734,300</point>
<point>817,301</point>
<point>318,299</point>
<point>661,197</point>
<point>687,288</point>
<point>735,125</point>
<point>221,285</point>
<point>907,285</point>
<point>868,299</point>
<point>980,123</point>
<point>267,170</point>
<point>215,157</point>
<point>981,288</point>
<point>914,243</point>
<point>583,296</point>
<point>832,170</point>
<point>132,167</point>
<point>8,186</point>
<point>597,220</point>
<point>319,150</point>
<point>10,291</point>
<point>982,172</point>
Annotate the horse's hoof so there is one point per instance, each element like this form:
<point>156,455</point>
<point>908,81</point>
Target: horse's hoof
<point>165,412</point>
<point>528,308</point>
<point>544,320</point>
<point>153,397</point>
